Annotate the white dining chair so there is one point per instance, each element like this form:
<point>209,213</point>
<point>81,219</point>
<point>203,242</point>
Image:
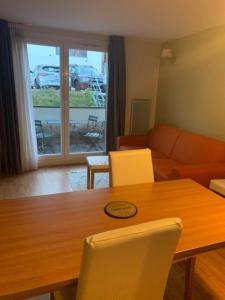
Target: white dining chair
<point>135,167</point>
<point>129,263</point>
<point>130,167</point>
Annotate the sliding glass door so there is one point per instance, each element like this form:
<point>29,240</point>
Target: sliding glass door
<point>45,78</point>
<point>87,100</point>
<point>69,94</point>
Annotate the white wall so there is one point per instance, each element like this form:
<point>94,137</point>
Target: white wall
<point>142,67</point>
<point>191,91</point>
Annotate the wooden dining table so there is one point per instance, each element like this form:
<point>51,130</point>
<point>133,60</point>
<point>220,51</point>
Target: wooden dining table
<point>41,237</point>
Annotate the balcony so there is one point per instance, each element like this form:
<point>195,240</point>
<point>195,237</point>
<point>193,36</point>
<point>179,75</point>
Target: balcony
<point>85,135</point>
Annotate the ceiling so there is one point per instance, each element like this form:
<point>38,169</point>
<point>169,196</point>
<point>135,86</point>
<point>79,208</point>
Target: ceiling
<point>157,19</point>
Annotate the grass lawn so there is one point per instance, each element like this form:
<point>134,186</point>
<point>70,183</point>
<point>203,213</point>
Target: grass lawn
<point>51,97</point>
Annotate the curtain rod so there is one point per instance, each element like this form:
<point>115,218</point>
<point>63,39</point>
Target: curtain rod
<point>68,32</point>
<point>56,28</point>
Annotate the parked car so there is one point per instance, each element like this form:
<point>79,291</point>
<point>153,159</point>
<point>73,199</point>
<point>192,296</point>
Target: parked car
<point>83,77</point>
<point>46,76</point>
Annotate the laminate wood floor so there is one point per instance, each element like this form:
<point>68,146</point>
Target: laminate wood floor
<point>209,279</point>
<point>40,182</point>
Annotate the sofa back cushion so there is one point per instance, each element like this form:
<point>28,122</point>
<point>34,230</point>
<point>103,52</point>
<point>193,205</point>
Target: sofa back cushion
<point>192,148</point>
<point>162,138</point>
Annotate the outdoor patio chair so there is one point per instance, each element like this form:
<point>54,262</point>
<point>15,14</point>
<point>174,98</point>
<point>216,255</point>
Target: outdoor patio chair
<point>42,136</point>
<point>91,125</point>
<point>95,137</point>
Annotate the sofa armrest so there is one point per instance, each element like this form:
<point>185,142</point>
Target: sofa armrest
<point>136,141</point>
<point>200,173</point>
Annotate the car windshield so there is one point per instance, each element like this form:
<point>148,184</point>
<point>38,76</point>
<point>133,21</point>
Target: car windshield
<point>87,71</point>
<point>51,69</point>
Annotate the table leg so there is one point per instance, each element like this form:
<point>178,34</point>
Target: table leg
<point>92,178</point>
<point>52,296</point>
<point>88,177</point>
<point>189,273</point>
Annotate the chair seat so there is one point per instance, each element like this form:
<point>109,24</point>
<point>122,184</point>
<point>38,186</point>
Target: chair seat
<point>92,134</point>
<point>40,135</point>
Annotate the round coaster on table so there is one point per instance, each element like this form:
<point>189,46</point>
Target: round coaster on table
<point>120,209</point>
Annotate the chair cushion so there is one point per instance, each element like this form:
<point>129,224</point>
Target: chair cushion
<point>192,149</point>
<point>162,138</point>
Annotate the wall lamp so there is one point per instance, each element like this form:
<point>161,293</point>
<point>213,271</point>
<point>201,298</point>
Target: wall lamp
<point>168,54</point>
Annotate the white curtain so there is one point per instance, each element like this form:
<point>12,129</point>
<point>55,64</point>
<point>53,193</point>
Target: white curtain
<point>28,144</point>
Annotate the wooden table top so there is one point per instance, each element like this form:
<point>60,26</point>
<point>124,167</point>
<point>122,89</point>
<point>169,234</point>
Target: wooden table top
<point>41,237</point>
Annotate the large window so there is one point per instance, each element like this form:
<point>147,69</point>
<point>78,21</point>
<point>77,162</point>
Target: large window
<point>69,101</point>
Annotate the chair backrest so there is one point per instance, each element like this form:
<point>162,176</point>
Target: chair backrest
<point>130,167</point>
<point>130,263</point>
<point>38,126</point>
<point>38,123</point>
<point>92,121</point>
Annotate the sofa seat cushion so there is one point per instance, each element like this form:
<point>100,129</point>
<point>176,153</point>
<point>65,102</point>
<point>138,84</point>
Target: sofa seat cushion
<point>162,138</point>
<point>192,149</point>
<point>129,147</point>
<point>200,173</point>
<point>162,168</point>
<point>156,154</point>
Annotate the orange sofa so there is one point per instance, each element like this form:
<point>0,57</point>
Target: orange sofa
<point>178,154</point>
